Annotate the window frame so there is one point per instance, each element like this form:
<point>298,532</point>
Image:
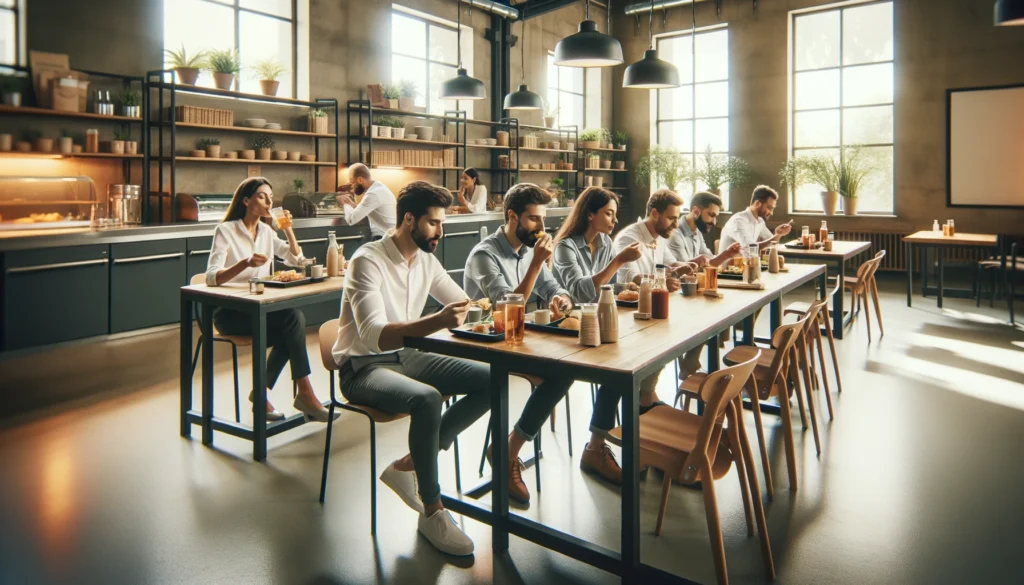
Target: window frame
<point>17,10</point>
<point>427,61</point>
<point>695,151</point>
<point>559,91</point>
<point>841,8</point>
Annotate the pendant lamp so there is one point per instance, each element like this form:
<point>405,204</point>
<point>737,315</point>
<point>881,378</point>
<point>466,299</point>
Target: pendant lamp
<point>462,86</point>
<point>1009,12</point>
<point>588,48</point>
<point>523,98</point>
<point>651,72</point>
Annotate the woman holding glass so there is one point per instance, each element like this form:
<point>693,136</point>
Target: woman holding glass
<point>244,245</point>
<point>584,261</point>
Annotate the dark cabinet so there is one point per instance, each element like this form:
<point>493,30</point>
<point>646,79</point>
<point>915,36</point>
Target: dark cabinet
<point>198,255</point>
<point>145,278</point>
<point>55,295</point>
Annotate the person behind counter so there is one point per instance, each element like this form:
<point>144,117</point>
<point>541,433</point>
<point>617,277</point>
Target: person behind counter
<point>377,205</point>
<point>472,195</point>
<point>244,244</point>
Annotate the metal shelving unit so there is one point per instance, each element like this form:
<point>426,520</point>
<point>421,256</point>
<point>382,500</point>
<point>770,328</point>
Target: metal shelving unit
<point>571,133</point>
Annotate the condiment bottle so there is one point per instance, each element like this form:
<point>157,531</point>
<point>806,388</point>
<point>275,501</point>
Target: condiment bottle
<point>952,228</point>
<point>773,259</point>
<point>608,315</point>
<point>935,226</point>
<point>333,263</point>
<point>646,284</point>
<point>823,231</point>
<point>659,296</point>
<point>92,141</point>
<point>590,327</point>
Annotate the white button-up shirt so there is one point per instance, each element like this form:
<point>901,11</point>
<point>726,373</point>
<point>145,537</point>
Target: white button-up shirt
<point>232,243</point>
<point>381,287</point>
<point>378,206</point>
<point>649,259</point>
<point>744,228</point>
<point>478,202</point>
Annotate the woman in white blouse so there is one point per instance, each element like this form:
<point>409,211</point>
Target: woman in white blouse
<point>472,194</point>
<point>244,245</point>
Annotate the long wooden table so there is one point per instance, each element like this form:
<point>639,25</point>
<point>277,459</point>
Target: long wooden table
<point>644,348</point>
<point>840,253</point>
<point>927,240</point>
<point>237,297</point>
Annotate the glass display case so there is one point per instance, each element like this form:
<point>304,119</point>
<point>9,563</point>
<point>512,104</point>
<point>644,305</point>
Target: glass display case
<point>49,202</point>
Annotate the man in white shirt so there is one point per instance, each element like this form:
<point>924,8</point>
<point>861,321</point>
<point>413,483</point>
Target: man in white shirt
<point>386,289</point>
<point>377,204</point>
<point>664,209</point>
<point>748,226</point>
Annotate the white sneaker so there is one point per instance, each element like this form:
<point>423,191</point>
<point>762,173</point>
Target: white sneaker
<point>405,485</point>
<point>442,532</point>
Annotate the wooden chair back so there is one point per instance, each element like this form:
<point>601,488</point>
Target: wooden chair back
<point>837,288</point>
<point>782,340</point>
<point>328,336</point>
<point>717,391</point>
<point>198,279</point>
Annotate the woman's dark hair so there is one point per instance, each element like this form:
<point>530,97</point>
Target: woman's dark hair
<point>245,190</point>
<point>592,200</point>
<point>472,174</point>
<point>419,196</point>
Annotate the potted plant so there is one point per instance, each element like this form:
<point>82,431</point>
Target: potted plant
<point>556,187</point>
<point>590,138</point>
<point>186,68</point>
<point>211,146</point>
<point>130,146</point>
<point>131,103</point>
<point>717,171</point>
<point>665,167</point>
<point>317,121</point>
<point>391,95</point>
<point>263,144</point>
<point>224,65</point>
<point>117,144</point>
<point>606,137</point>
<point>65,144</point>
<point>550,113</point>
<point>606,163</point>
<point>407,95</point>
<point>267,71</point>
<point>841,176</point>
<point>300,185</point>
<point>396,125</point>
<point>620,140</point>
<point>11,88</point>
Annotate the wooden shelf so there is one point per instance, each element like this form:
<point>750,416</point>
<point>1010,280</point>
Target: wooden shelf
<point>59,155</point>
<point>401,167</point>
<point>23,203</point>
<point>190,125</point>
<point>546,171</point>
<point>407,141</point>
<point>489,146</point>
<point>195,89</point>
<point>605,170</point>
<point>603,150</point>
<point>546,150</point>
<point>404,113</point>
<point>249,161</point>
<point>28,111</point>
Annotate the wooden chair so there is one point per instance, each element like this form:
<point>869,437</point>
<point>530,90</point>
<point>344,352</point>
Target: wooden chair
<point>218,337</point>
<point>825,319</point>
<point>863,284</point>
<point>703,448</point>
<point>327,336</point>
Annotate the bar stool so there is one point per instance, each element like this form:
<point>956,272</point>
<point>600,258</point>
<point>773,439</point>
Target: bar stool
<point>327,336</point>
<point>218,337</point>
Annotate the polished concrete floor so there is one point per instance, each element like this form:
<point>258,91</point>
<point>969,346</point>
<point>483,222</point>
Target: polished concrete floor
<point>919,480</point>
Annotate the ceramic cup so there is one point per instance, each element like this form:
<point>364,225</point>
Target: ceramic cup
<point>474,315</point>
<point>542,316</point>
<point>689,289</point>
<point>316,270</point>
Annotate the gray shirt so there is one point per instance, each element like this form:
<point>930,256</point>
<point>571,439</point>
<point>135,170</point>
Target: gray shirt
<point>575,265</point>
<point>686,244</point>
<point>494,268</point>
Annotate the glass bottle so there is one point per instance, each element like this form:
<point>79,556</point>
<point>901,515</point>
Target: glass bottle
<point>935,226</point>
<point>773,259</point>
<point>659,296</point>
<point>823,231</point>
<point>646,284</point>
<point>333,263</point>
<point>608,315</point>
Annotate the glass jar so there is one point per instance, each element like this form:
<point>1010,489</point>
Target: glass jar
<point>515,318</point>
<point>590,326</point>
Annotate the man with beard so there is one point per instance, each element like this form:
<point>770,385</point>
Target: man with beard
<point>663,211</point>
<point>376,371</point>
<point>377,204</point>
<point>514,260</point>
<point>748,226</point>
<point>687,243</point>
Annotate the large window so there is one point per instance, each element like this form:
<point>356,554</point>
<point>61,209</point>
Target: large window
<point>695,115</point>
<point>257,29</point>
<point>567,93</point>
<point>426,52</point>
<point>10,32</point>
<point>842,94</point>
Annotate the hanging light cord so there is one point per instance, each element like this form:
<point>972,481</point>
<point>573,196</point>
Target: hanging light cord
<point>458,19</point>
<point>651,25</point>
<point>587,17</point>
<point>523,47</point>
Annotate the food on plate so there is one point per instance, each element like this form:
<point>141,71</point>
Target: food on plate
<point>499,322</point>
<point>286,276</point>
<point>629,296</point>
<point>570,323</point>
<point>577,314</point>
<point>484,304</point>
<point>481,328</point>
<point>632,286</point>
<point>732,270</point>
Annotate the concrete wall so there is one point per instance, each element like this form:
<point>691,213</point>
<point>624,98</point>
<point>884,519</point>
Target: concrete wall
<point>939,44</point>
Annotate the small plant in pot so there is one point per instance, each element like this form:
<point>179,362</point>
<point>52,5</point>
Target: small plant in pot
<point>606,137</point>
<point>263,144</point>
<point>186,67</point>
<point>550,113</point>
<point>210,145</point>
<point>300,185</point>
<point>224,65</point>
<point>267,71</point>
<point>715,171</point>
<point>620,140</point>
<point>556,188</point>
<point>591,138</point>
<point>840,176</point>
<point>131,103</point>
<point>130,146</point>
<point>66,143</point>
<point>317,121</point>
<point>407,95</point>
<point>11,89</point>
<point>391,93</point>
<point>396,125</point>
<point>665,167</point>
<point>117,144</point>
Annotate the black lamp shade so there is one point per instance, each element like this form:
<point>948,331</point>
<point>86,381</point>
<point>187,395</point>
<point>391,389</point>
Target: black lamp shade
<point>523,99</point>
<point>1009,12</point>
<point>462,87</point>
<point>651,73</point>
<point>588,48</point>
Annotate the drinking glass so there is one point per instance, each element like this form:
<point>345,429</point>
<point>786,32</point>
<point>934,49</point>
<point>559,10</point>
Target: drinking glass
<point>515,318</point>
<point>281,220</point>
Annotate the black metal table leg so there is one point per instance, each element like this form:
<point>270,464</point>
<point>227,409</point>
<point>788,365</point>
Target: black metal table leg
<point>207,329</point>
<point>942,276</point>
<point>774,316</point>
<point>839,302</point>
<point>925,266</point>
<point>748,330</point>
<point>259,384</point>
<point>908,252</point>
<point>185,367</point>
<point>630,483</point>
<point>499,471</point>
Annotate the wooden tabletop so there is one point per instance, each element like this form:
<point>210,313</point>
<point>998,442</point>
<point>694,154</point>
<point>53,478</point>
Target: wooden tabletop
<point>239,291</point>
<point>930,237</point>
<point>840,249</point>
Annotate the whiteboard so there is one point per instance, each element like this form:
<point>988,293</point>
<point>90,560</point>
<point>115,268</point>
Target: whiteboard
<point>985,157</point>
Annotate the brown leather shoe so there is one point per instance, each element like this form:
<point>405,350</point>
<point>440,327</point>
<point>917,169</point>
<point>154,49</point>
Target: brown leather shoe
<point>517,489</point>
<point>602,462</point>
